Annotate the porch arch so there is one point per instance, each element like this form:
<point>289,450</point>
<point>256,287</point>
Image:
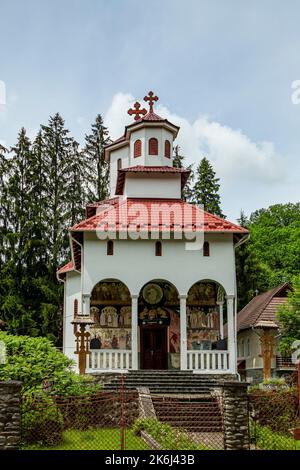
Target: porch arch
<point>159,325</point>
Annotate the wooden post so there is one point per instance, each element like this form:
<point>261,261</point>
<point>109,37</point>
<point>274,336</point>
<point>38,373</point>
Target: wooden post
<point>82,341</point>
<point>267,352</point>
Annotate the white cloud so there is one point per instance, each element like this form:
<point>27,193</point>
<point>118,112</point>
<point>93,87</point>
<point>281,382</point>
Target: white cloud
<point>116,116</point>
<point>231,151</point>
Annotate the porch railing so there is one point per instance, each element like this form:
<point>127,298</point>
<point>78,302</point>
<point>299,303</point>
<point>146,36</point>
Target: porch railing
<point>109,360</point>
<point>208,361</point>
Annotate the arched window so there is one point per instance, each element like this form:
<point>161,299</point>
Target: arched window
<point>205,249</point>
<point>119,163</point>
<point>153,146</point>
<point>167,149</point>
<point>75,308</point>
<point>158,248</point>
<point>248,348</point>
<point>137,149</point>
<point>110,248</point>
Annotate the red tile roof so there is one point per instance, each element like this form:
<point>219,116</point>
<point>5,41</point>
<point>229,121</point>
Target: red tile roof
<point>261,310</point>
<point>66,268</point>
<point>149,169</point>
<point>119,213</point>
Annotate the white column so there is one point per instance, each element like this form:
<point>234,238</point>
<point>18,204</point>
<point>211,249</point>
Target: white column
<point>134,331</point>
<point>86,304</point>
<point>231,337</point>
<point>183,335</point>
<point>221,317</point>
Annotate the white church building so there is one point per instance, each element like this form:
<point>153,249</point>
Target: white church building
<point>155,274</point>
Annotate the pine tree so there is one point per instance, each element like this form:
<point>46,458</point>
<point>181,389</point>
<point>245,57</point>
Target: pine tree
<point>98,182</point>
<point>4,202</point>
<point>206,188</point>
<point>76,196</point>
<point>57,145</point>
<point>178,162</point>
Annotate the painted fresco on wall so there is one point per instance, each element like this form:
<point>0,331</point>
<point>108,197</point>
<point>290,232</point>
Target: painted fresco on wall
<point>111,312</point>
<point>174,332</point>
<point>110,338</point>
<point>110,292</point>
<point>202,293</point>
<point>203,321</point>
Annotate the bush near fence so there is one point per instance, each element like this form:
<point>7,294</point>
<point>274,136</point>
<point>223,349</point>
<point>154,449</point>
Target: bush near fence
<point>273,415</point>
<point>165,435</point>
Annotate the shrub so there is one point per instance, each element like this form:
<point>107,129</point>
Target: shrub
<point>168,437</point>
<point>42,422</point>
<point>32,360</point>
<point>267,439</point>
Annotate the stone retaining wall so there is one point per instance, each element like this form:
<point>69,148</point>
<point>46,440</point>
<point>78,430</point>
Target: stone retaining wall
<point>235,409</point>
<point>10,415</point>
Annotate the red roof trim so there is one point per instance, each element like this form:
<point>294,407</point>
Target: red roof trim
<point>66,268</point>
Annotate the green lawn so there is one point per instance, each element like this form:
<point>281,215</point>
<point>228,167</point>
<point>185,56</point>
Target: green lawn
<point>96,439</point>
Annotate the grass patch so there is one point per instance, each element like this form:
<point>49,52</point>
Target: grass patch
<point>95,439</point>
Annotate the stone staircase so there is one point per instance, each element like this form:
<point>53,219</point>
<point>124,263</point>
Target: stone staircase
<point>166,382</point>
<point>195,414</point>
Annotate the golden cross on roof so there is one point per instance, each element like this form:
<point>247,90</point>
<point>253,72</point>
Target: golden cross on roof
<point>151,98</point>
<point>137,111</point>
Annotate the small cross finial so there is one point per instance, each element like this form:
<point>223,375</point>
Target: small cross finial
<point>151,98</point>
<point>137,111</point>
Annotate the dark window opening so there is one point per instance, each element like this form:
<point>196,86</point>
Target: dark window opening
<point>119,163</point>
<point>110,248</point>
<point>205,249</point>
<point>158,249</point>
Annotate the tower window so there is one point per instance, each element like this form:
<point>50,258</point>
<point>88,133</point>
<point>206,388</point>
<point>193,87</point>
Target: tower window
<point>158,248</point>
<point>167,149</point>
<point>119,163</point>
<point>206,249</point>
<point>153,146</point>
<point>137,149</point>
<point>110,248</point>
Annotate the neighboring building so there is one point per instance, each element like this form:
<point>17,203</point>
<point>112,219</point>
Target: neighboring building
<point>157,299</point>
<point>258,337</point>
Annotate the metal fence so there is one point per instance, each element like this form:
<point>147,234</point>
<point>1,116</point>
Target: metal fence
<point>123,418</point>
<point>273,418</point>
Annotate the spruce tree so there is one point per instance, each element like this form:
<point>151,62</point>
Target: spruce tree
<point>57,145</point>
<point>178,162</point>
<point>206,188</point>
<point>98,181</point>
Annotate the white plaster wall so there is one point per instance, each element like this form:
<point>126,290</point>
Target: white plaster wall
<point>122,153</point>
<point>254,361</point>
<point>135,263</point>
<point>148,185</point>
<point>144,135</point>
<point>72,292</point>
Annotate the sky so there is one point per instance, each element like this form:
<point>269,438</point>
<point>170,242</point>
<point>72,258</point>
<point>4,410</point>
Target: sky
<point>223,70</point>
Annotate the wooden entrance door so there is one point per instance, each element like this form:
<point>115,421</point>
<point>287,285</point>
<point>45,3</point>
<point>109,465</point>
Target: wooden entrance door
<point>154,347</point>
